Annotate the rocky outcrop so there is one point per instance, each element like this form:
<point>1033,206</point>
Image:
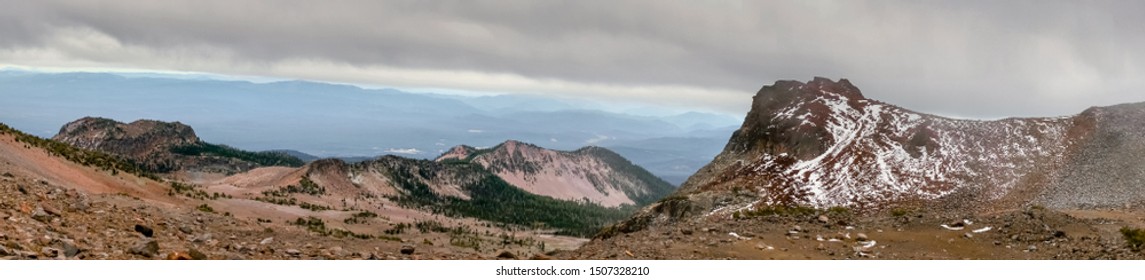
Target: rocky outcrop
<point>137,139</point>
<point>164,147</point>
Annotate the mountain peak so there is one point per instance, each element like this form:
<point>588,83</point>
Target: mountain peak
<point>592,174</point>
<point>513,145</point>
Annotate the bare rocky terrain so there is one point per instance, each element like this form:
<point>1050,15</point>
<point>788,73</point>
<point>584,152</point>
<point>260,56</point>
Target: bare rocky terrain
<point>46,221</point>
<point>55,208</point>
<point>1031,233</point>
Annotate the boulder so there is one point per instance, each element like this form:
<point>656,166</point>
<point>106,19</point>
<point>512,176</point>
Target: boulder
<point>145,230</point>
<point>147,248</point>
<point>407,250</point>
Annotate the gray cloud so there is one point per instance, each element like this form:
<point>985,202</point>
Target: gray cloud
<point>962,58</point>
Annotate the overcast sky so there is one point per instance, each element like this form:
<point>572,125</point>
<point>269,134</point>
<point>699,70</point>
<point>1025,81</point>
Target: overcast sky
<point>978,59</point>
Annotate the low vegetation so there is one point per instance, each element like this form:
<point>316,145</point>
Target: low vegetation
<point>314,207</point>
<point>305,186</point>
<point>282,195</point>
<point>260,158</point>
<point>205,208</point>
<point>398,228</point>
<point>1134,237</point>
<point>360,217</point>
<point>193,191</point>
<point>318,226</point>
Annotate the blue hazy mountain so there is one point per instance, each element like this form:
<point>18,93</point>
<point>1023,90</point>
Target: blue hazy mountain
<point>331,120</point>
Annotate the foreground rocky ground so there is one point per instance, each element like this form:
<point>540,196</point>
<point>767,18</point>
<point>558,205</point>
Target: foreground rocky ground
<point>1030,233</point>
<point>43,221</point>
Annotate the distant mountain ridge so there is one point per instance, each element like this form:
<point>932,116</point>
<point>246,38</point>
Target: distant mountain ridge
<point>367,122</point>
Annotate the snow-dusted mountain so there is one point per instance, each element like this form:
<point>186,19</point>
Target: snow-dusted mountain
<point>823,144</point>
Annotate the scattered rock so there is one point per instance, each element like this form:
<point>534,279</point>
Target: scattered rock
<point>50,210</point>
<point>147,248</point>
<point>686,231</point>
<point>968,235</point>
<point>338,252</point>
<point>293,252</point>
<point>266,241</point>
<point>407,250</point>
<point>49,252</point>
<point>203,238</point>
<point>196,255</point>
<point>81,204</point>
<point>1032,248</point>
<point>824,219</point>
<point>797,229</point>
<point>506,255</point>
<point>144,230</point>
<point>68,247</point>
<point>862,237</point>
<point>40,215</point>
<point>541,257</point>
<point>186,229</point>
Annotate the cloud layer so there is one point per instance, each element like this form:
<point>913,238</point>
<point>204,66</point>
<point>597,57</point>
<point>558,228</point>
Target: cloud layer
<point>981,59</point>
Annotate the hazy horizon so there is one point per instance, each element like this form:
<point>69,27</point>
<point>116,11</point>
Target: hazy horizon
<point>1025,58</point>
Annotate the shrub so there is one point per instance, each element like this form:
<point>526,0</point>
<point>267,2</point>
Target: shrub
<point>899,212</point>
<point>1135,237</point>
<point>397,229</point>
<point>314,207</point>
<point>360,217</point>
<point>205,208</point>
